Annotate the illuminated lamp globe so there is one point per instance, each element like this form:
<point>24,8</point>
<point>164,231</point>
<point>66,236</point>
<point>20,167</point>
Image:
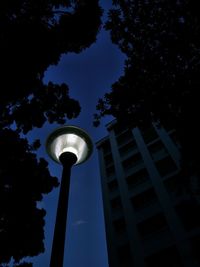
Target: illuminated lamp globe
<point>72,139</point>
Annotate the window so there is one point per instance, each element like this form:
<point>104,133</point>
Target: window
<point>119,128</point>
<point>127,148</point>
<point>152,225</point>
<point>116,203</point>
<point>189,213</point>
<point>175,139</point>
<point>132,161</point>
<point>124,256</point>
<point>108,159</point>
<point>113,185</point>
<point>137,178</point>
<point>106,147</point>
<point>195,242</point>
<point>165,258</point>
<point>175,185</point>
<point>110,170</point>
<point>167,126</point>
<point>166,166</point>
<point>144,199</point>
<point>149,135</point>
<point>119,225</point>
<point>157,149</point>
<point>125,137</point>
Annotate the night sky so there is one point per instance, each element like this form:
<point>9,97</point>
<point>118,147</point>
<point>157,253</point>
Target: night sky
<point>89,75</point>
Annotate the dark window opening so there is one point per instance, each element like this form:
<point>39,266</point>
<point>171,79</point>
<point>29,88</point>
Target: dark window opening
<point>189,213</point>
<point>132,161</point>
<point>195,243</point>
<point>120,128</point>
<point>113,185</point>
<point>110,170</point>
<point>157,148</point>
<point>124,137</point>
<point>152,225</point>
<point>175,138</point>
<point>149,135</point>
<point>144,199</point>
<point>175,185</point>
<point>124,256</point>
<point>108,159</point>
<point>165,258</point>
<point>166,166</point>
<point>137,178</point>
<point>119,225</point>
<point>106,147</point>
<point>116,203</point>
<point>127,148</point>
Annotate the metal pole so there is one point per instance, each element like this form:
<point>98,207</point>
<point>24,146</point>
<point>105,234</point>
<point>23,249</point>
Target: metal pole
<point>57,254</point>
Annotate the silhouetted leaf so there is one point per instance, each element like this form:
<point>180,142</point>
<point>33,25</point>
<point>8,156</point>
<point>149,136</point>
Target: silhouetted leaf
<point>162,71</point>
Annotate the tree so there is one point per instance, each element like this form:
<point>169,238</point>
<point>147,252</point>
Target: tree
<point>33,36</point>
<point>23,182</point>
<point>161,76</point>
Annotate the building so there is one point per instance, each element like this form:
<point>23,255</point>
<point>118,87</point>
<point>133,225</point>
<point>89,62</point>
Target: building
<point>151,219</point>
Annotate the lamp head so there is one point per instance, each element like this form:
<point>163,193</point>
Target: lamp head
<point>72,139</point>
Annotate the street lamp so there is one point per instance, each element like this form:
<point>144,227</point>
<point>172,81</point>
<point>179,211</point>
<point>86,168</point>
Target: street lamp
<point>67,145</point>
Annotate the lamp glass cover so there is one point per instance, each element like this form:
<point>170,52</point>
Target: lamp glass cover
<point>69,143</point>
<point>69,139</point>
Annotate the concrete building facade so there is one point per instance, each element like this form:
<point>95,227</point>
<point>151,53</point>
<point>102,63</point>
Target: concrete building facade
<point>151,220</point>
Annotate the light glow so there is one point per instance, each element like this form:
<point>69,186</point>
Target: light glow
<point>66,141</point>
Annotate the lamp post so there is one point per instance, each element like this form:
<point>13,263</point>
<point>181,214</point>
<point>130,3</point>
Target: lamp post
<point>67,145</point>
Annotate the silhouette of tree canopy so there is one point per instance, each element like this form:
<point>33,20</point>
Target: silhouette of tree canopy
<point>24,180</point>
<point>161,76</point>
<point>34,35</point>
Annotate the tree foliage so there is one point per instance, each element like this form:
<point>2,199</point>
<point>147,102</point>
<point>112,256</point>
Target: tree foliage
<point>50,103</point>
<point>24,180</point>
<point>34,35</point>
<point>162,72</point>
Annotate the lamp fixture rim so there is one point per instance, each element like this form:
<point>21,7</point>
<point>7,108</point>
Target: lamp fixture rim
<point>69,129</point>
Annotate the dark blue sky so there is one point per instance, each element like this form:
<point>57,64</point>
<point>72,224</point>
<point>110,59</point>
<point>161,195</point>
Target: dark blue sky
<point>89,75</point>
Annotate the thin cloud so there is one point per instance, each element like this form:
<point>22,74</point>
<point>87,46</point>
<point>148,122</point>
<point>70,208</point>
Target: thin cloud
<point>79,222</point>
